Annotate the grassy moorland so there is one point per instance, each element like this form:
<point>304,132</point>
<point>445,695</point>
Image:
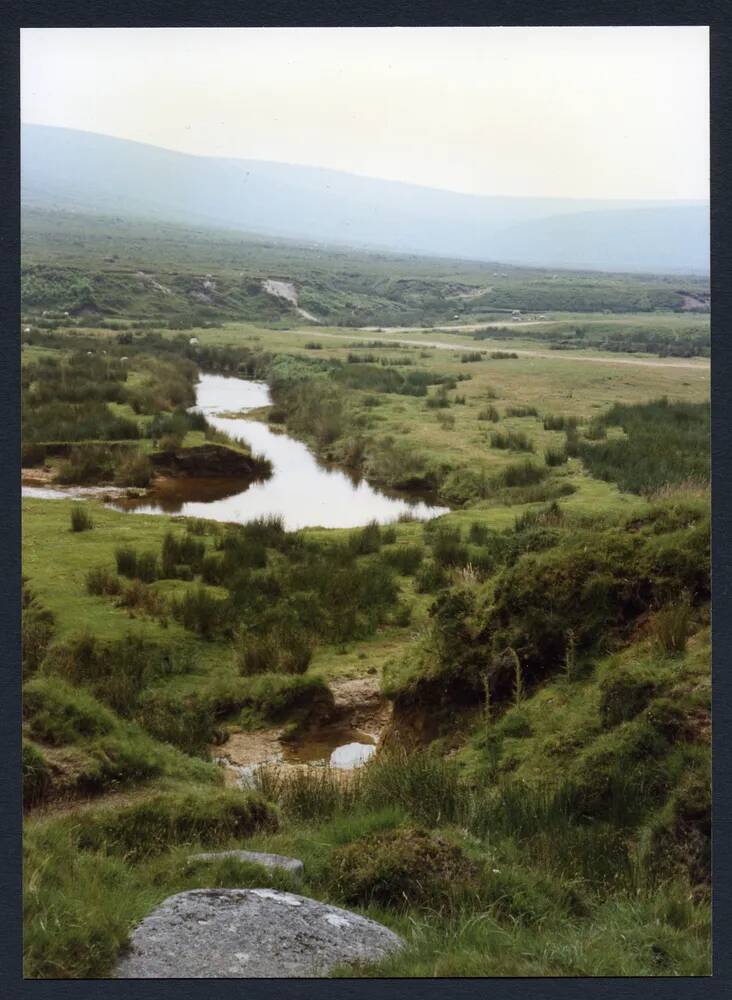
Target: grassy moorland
<point>540,801</point>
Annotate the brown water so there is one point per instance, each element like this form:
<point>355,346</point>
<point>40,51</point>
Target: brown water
<point>341,747</point>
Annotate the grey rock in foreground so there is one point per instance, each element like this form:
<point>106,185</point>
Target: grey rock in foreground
<point>293,865</point>
<point>241,933</point>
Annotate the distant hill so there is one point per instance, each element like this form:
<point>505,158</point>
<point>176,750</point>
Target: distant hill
<point>69,169</point>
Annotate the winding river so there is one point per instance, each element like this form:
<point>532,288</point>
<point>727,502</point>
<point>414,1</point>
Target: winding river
<point>302,490</point>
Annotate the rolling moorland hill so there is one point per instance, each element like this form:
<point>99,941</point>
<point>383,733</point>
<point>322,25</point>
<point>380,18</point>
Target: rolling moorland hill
<point>70,169</point>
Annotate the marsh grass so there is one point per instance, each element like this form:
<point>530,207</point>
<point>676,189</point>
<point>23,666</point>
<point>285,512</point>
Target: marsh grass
<point>81,519</point>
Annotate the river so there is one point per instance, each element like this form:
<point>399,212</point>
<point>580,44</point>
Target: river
<point>302,490</point>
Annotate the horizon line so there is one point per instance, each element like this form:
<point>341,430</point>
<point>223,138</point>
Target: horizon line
<point>371,177</point>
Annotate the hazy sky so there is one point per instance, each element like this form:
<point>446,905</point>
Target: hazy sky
<point>609,112</point>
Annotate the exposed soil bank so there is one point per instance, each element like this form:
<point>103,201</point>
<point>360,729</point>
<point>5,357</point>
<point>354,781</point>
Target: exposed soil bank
<point>211,460</point>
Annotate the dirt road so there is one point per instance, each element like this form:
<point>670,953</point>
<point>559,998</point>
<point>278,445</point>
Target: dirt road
<point>701,365</point>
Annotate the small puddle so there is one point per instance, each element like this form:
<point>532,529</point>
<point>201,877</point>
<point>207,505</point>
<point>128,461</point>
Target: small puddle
<point>343,748</point>
<point>338,747</point>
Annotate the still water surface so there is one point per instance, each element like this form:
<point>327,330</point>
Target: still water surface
<point>301,490</point>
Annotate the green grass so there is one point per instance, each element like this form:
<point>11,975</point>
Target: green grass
<point>581,813</point>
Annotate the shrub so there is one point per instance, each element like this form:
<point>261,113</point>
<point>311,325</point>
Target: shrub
<point>665,443</point>
<point>405,559</point>
<point>678,839</point>
<point>478,533</point>
<point>101,582</point>
<point>430,577</point>
<point>671,628</point>
<point>38,627</point>
<point>126,559</point>
<point>133,469</point>
<point>439,400</point>
<point>59,714</point>
<point>399,869</point>
<point>367,540</point>
<point>81,519</point>
<point>168,442</point>
<point>470,356</point>
<point>549,516</point>
<point>140,596</point>
<point>555,456</point>
<point>87,464</point>
<point>199,611</point>
<point>512,440</point>
<point>521,474</point>
<point>447,546</point>
<point>558,422</point>
<point>596,431</point>
<point>275,698</point>
<point>624,693</point>
<point>189,723</point>
<point>115,671</point>
<point>36,775</point>
<point>150,827</point>
<point>147,568</point>
<point>521,411</point>
<point>282,651</point>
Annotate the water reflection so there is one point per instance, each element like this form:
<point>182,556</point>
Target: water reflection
<point>301,490</point>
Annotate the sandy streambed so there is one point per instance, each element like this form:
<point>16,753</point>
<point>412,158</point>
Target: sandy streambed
<point>344,742</point>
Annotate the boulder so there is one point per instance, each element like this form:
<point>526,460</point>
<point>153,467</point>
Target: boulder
<point>249,933</point>
<point>293,865</point>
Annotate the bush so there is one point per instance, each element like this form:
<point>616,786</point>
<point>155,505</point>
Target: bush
<point>665,443</point>
<point>142,597</point>
<point>447,546</point>
<point>133,469</point>
<point>512,440</point>
<point>523,474</point>
<point>188,723</point>
<point>430,577</point>
<point>404,559</point>
<point>400,869</point>
<point>36,775</point>
<point>87,464</point>
<point>624,693</point>
<point>147,567</point>
<point>671,628</point>
<point>150,827</point>
<point>367,540</point>
<point>521,411</point>
<point>558,422</point>
<point>555,456</point>
<point>59,714</point>
<point>282,651</point>
<point>101,582</point>
<point>38,627</point>
<point>478,534</point>
<point>115,671</point>
<point>276,698</point>
<point>81,519</point>
<point>126,559</point>
<point>199,611</point>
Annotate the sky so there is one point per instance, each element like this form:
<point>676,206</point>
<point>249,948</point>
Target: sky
<point>609,112</point>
